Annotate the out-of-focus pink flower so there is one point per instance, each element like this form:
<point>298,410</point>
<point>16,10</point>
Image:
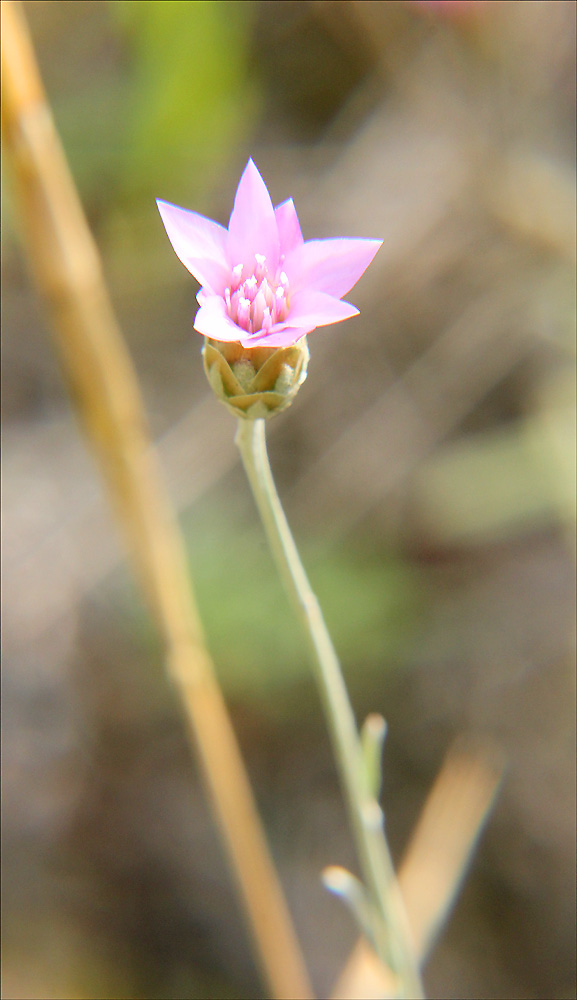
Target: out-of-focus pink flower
<point>262,284</point>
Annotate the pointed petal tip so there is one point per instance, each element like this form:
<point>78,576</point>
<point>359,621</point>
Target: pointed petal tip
<point>198,242</point>
<point>162,203</point>
<point>252,227</point>
<point>250,167</point>
<point>330,265</point>
<point>289,229</point>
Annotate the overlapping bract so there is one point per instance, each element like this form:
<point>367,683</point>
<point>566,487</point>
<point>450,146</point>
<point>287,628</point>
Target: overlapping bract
<point>263,285</point>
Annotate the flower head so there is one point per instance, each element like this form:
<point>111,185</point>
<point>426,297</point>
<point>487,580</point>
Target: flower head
<point>262,284</point>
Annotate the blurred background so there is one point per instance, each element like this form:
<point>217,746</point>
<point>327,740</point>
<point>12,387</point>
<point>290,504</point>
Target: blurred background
<point>427,467</point>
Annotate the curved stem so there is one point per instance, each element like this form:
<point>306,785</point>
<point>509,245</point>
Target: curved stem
<point>390,930</point>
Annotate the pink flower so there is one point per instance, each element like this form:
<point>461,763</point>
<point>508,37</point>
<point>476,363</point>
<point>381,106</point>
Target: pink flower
<point>262,284</point>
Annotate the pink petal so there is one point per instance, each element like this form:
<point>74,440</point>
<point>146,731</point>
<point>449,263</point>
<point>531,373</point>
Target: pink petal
<point>199,243</point>
<point>331,266</point>
<point>252,228</point>
<point>289,229</point>
<point>308,310</point>
<point>213,321</point>
<point>284,337</point>
<point>311,308</point>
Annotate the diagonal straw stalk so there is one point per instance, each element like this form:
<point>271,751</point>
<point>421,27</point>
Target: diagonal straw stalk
<point>391,933</point>
<point>67,269</point>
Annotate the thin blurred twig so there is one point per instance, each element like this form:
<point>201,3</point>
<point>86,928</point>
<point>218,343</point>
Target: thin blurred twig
<point>434,864</point>
<point>67,269</point>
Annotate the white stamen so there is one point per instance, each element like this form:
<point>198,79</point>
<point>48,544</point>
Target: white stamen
<point>260,270</point>
<point>236,277</point>
<point>250,287</point>
<point>267,320</point>
<point>243,313</point>
<point>257,303</point>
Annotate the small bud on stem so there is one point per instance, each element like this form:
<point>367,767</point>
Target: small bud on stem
<point>255,382</point>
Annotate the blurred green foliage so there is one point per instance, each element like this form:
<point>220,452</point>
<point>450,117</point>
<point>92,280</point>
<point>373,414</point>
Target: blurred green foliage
<point>372,604</point>
<point>190,99</point>
<point>492,486</point>
<point>172,104</point>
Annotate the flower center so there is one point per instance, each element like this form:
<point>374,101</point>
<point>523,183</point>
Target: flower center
<point>257,301</point>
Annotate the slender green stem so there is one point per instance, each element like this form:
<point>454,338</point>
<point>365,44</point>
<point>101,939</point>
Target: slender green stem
<point>390,932</point>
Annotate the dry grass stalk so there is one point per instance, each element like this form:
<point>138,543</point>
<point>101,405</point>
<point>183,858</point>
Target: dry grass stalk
<point>68,272</point>
<point>434,865</point>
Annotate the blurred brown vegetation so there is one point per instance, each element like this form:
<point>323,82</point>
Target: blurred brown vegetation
<point>427,464</point>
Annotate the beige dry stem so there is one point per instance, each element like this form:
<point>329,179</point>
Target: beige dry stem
<point>67,270</point>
